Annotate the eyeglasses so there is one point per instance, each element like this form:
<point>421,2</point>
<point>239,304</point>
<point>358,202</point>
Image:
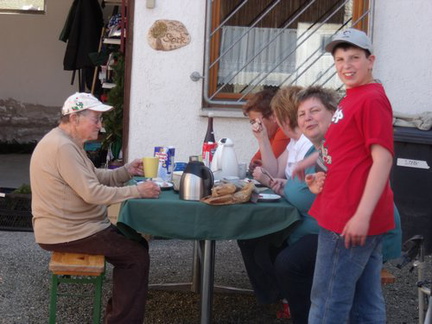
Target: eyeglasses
<point>94,119</point>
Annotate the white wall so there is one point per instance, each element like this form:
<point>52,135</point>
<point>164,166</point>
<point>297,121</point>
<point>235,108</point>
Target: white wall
<point>403,44</point>
<point>31,56</point>
<point>166,104</point>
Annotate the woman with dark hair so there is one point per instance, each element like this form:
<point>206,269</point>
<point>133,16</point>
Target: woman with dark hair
<point>258,109</point>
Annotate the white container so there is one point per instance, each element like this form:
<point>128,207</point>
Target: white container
<point>224,163</point>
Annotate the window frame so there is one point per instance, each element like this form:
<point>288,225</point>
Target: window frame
<point>25,11</point>
<point>224,99</point>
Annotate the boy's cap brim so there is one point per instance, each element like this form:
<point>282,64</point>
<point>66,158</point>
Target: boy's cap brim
<point>351,36</point>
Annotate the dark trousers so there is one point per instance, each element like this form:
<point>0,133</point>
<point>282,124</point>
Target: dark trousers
<point>130,274</point>
<point>258,257</point>
<point>294,269</point>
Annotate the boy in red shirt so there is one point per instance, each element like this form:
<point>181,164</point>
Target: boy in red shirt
<point>355,206</point>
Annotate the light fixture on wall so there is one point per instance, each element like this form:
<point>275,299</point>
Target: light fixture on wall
<point>150,4</point>
<point>196,76</point>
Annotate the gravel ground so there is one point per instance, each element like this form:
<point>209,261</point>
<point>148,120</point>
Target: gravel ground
<point>24,287</point>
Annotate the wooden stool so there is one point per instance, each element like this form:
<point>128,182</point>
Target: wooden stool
<point>77,268</point>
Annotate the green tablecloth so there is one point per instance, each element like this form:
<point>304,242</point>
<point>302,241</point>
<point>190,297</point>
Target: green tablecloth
<point>169,216</point>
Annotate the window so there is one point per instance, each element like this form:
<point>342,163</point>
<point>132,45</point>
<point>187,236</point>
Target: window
<point>22,6</point>
<point>254,44</point>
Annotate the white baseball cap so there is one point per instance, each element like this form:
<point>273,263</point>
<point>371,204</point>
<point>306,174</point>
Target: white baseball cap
<point>351,36</point>
<point>81,101</point>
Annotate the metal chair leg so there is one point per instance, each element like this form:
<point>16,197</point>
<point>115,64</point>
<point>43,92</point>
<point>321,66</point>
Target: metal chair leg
<point>53,301</point>
<point>97,303</point>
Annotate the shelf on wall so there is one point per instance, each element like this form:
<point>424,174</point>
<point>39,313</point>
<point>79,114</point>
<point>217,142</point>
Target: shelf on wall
<point>113,2</point>
<point>108,85</point>
<point>114,41</point>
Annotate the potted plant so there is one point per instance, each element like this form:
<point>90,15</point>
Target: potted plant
<point>113,119</point>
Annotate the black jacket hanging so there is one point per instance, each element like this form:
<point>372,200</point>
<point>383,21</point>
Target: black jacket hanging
<point>82,33</point>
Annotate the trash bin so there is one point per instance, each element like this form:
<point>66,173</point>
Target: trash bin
<point>411,181</point>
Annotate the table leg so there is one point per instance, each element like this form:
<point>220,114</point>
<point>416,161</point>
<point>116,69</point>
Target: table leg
<point>207,281</point>
<point>196,266</point>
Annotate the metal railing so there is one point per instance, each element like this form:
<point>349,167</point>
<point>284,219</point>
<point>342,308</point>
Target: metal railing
<point>311,64</point>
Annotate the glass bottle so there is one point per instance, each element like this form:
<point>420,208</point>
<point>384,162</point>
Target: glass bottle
<point>209,144</point>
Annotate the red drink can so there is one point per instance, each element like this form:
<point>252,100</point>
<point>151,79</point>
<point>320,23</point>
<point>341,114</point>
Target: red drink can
<point>208,151</point>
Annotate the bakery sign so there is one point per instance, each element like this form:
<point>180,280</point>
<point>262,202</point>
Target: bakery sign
<point>168,35</point>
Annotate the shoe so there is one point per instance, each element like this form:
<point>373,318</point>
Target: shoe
<point>285,311</point>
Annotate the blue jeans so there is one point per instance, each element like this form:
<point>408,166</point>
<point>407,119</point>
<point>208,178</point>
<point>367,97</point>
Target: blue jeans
<point>347,282</point>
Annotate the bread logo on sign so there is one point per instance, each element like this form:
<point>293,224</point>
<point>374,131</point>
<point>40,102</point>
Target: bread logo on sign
<point>168,35</point>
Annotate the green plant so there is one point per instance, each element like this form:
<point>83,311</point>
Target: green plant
<point>23,189</point>
<point>113,120</point>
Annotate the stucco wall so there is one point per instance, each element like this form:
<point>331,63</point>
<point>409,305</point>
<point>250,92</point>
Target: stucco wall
<point>402,43</point>
<point>166,104</point>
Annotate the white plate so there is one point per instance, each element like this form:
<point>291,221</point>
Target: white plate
<point>164,185</point>
<point>268,197</point>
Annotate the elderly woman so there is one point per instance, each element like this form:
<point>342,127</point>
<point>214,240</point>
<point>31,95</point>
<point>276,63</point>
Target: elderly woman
<point>294,265</point>
<point>258,110</point>
<point>268,281</point>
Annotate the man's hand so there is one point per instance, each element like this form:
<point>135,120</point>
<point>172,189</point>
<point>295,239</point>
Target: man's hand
<point>135,167</point>
<point>148,189</point>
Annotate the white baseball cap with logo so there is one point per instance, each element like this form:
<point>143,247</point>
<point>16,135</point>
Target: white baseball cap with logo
<point>81,101</point>
<point>351,36</point>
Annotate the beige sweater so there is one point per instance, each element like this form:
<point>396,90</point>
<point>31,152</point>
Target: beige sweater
<point>69,195</point>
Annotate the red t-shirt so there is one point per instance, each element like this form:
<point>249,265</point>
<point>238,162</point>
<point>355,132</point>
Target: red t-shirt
<point>279,142</point>
<point>364,117</point>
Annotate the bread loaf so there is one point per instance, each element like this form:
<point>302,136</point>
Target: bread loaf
<point>225,194</point>
<point>223,189</point>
